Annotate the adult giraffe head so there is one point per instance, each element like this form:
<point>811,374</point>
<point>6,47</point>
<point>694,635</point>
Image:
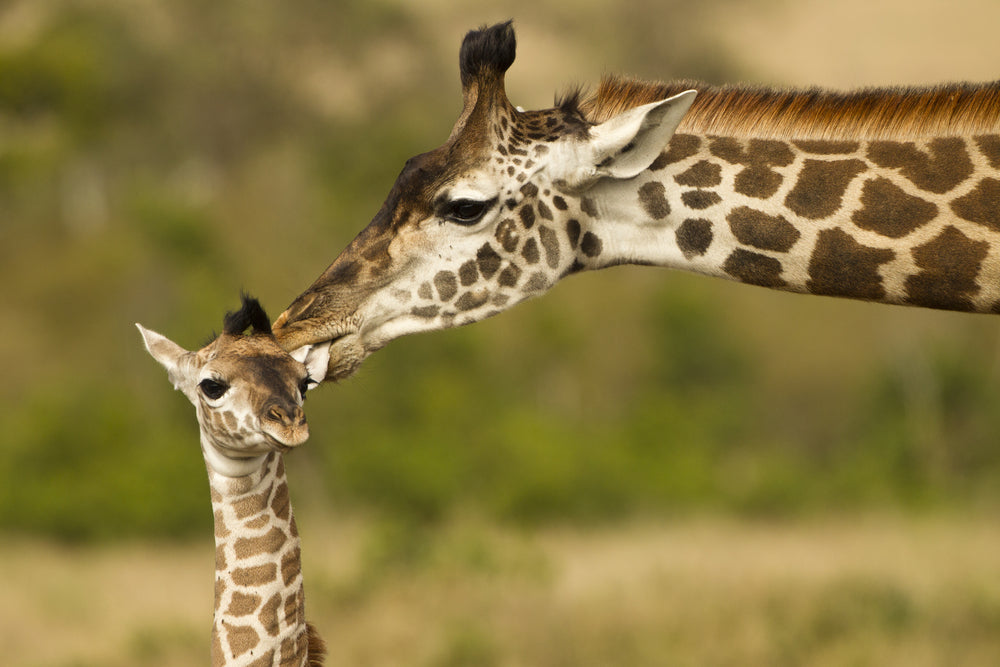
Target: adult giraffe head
<point>494,216</point>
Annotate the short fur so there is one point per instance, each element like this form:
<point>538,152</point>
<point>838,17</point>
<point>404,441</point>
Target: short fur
<point>962,109</point>
<point>489,49</point>
<point>250,315</point>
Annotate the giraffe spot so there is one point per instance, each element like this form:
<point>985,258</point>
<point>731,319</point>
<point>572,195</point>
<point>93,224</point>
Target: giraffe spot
<point>703,174</point>
<point>281,505</point>
<point>507,235</point>
<point>220,558</point>
<point>220,590</point>
<point>550,243</point>
<point>501,149</point>
<point>292,649</point>
<point>755,152</point>
<point>292,604</point>
<point>500,300</point>
<point>544,211</point>
<point>588,206</point>
<point>840,266</point>
<point>694,236</point>
<point>949,265</point>
<point>700,199</point>
<point>681,147</point>
<point>265,660</point>
<point>488,260</point>
<point>943,165</point>
<point>446,284</point>
<point>426,312</point>
<point>826,147</point>
<point>591,245</point>
<point>760,230</point>
<point>573,233</point>
<point>981,205</point>
<point>536,283</point>
<point>559,203</point>
<point>241,638</point>
<point>821,186</point>
<point>527,214</point>
<point>221,531</point>
<point>653,198</point>
<point>268,543</point>
<point>218,658</point>
<point>509,276</point>
<point>250,505</point>
<point>258,523</point>
<point>425,292</point>
<point>889,211</point>
<point>468,273</point>
<point>511,171</point>
<point>989,145</point>
<point>230,420</point>
<point>290,567</point>
<point>256,575</point>
<point>541,149</point>
<point>754,269</point>
<point>530,251</point>
<point>242,604</point>
<point>758,182</point>
<point>529,190</point>
<point>472,300</point>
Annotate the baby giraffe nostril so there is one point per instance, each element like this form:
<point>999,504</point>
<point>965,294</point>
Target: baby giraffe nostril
<point>277,414</point>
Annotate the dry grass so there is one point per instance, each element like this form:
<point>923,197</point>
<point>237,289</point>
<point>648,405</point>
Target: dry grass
<point>875,591</point>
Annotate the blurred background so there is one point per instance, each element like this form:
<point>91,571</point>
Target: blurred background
<point>625,471</point>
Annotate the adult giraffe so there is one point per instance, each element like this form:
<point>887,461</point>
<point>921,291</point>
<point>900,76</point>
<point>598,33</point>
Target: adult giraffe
<point>889,195</point>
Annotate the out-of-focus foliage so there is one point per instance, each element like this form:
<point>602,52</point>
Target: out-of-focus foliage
<point>155,158</point>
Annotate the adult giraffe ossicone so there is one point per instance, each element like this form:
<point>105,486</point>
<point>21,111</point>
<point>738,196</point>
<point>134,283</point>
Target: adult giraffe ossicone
<point>889,195</point>
<point>248,395</point>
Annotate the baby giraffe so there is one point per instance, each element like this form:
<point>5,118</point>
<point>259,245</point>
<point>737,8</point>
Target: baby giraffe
<point>248,395</point>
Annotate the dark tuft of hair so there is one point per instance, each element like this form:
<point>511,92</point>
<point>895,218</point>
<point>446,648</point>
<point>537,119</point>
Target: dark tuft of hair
<point>251,315</point>
<point>487,49</point>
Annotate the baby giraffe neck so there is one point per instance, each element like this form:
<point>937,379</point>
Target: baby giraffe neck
<point>259,603</point>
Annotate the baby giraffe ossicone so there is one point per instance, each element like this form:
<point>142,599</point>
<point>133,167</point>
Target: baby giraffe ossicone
<point>248,395</point>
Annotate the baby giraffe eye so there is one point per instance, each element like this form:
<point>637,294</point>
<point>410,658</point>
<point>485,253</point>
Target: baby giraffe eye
<point>466,211</point>
<point>213,389</point>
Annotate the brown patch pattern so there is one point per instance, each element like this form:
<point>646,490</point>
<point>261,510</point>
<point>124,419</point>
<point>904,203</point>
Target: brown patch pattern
<point>949,264</point>
<point>703,174</point>
<point>754,268</point>
<point>653,198</point>
<point>694,236</point>
<point>700,199</point>
<point>820,187</point>
<point>763,231</point>
<point>938,168</point>
<point>681,147</point>
<point>889,211</point>
<point>981,205</point>
<point>989,145</point>
<point>840,266</point>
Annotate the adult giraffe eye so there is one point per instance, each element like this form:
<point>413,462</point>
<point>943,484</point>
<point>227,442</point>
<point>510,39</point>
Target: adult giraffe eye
<point>305,385</point>
<point>212,388</point>
<point>466,211</point>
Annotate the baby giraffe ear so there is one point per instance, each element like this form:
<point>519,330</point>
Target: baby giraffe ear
<point>181,365</point>
<point>627,144</point>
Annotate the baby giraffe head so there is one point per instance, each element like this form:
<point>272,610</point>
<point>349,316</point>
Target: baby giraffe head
<point>247,390</point>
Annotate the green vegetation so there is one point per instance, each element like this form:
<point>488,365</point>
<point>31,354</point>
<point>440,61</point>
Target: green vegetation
<point>155,161</point>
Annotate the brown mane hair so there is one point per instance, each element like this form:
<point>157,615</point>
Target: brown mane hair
<point>960,109</point>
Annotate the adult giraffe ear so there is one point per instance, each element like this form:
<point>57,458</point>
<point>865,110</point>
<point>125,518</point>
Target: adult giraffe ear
<point>624,146</point>
<point>182,366</point>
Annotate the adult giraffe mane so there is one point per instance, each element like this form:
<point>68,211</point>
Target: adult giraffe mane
<point>961,109</point>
